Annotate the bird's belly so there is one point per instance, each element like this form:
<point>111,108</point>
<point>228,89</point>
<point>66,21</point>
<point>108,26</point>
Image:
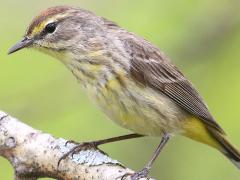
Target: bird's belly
<point>142,111</point>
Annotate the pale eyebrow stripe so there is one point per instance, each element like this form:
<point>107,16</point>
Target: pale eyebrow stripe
<point>37,29</point>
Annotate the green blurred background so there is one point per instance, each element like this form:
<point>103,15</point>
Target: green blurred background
<point>201,37</point>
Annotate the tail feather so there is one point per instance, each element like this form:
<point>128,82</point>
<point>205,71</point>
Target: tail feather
<point>226,147</point>
<point>196,129</point>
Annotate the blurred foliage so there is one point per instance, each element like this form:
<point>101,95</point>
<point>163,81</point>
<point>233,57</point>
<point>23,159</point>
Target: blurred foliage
<point>202,38</point>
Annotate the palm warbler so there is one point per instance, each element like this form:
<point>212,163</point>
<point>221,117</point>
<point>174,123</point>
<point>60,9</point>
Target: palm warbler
<point>129,78</point>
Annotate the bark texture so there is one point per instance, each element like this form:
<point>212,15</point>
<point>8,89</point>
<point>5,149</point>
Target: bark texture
<point>34,154</point>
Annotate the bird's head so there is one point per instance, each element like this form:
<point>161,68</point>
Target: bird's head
<point>62,30</point>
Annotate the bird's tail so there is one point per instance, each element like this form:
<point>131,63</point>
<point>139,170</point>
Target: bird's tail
<point>226,147</point>
<point>199,131</point>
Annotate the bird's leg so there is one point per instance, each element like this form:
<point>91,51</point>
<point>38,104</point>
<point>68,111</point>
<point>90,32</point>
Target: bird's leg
<point>95,144</point>
<point>144,172</point>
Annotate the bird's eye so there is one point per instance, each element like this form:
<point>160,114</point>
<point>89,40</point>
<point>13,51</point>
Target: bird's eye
<point>50,28</point>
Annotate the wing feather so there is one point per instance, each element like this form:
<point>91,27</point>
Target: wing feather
<point>151,68</point>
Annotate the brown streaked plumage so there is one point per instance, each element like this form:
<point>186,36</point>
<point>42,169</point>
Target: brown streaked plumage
<point>151,68</point>
<point>129,78</point>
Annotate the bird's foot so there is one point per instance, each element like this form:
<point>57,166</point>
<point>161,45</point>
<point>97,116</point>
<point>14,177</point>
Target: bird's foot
<point>138,175</point>
<point>95,144</point>
<point>79,147</point>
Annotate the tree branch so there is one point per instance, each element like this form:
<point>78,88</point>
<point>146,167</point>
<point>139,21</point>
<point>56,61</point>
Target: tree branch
<point>34,154</point>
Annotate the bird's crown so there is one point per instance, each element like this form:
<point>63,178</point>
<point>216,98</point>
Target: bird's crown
<point>48,16</point>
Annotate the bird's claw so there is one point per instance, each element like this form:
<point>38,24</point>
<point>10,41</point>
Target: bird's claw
<point>70,142</point>
<point>76,149</point>
<point>138,175</point>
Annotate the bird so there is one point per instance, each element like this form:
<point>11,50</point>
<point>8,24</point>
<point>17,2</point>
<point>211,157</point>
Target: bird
<point>131,80</point>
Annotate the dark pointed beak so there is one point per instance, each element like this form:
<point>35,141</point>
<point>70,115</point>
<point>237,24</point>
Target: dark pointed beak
<point>25,42</point>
